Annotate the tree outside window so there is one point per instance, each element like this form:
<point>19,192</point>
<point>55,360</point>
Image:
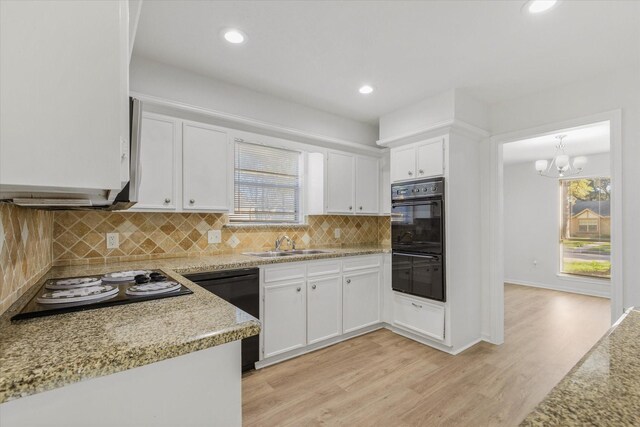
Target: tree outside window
<point>585,233</point>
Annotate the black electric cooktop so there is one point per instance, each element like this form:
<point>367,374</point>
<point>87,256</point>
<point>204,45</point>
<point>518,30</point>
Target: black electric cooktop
<point>67,294</point>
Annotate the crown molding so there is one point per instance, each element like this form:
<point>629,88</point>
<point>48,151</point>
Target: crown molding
<point>445,126</point>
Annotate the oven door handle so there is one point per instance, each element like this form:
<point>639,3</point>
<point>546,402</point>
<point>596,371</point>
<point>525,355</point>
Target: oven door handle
<point>416,203</point>
<point>416,256</point>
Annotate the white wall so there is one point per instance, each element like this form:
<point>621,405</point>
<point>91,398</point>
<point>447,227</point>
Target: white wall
<point>531,227</point>
<point>454,104</point>
<point>164,81</point>
<point>620,90</point>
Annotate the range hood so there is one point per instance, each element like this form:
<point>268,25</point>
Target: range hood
<point>88,199</point>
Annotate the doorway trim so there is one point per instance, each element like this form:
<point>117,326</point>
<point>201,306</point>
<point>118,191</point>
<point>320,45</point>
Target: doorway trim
<point>496,212</point>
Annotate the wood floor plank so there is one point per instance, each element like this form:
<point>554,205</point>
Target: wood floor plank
<point>384,379</point>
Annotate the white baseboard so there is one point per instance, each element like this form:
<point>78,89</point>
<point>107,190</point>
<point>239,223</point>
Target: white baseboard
<point>562,288</point>
<point>396,330</point>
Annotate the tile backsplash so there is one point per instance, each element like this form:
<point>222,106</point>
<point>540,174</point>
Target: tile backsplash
<point>25,250</point>
<point>79,236</point>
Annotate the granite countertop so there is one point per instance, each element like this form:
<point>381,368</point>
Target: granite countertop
<point>603,389</point>
<point>49,352</point>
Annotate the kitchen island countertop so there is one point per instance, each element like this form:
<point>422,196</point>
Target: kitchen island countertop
<point>603,388</point>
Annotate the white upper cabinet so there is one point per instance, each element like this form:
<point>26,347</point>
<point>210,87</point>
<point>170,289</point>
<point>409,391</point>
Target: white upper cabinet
<point>367,181</point>
<point>185,166</point>
<point>351,183</point>
<point>340,182</point>
<point>421,160</point>
<point>430,159</point>
<point>159,146</point>
<point>403,163</point>
<point>205,168</point>
<point>64,106</point>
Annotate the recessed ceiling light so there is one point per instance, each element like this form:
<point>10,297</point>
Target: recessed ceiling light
<point>234,36</point>
<point>538,6</point>
<point>365,90</point>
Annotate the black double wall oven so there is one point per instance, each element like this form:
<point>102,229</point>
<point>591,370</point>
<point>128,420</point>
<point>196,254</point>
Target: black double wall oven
<point>417,238</point>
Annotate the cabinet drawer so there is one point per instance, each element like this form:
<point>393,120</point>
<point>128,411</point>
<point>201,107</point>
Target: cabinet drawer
<point>284,272</point>
<point>419,316</point>
<point>361,263</point>
<point>322,268</point>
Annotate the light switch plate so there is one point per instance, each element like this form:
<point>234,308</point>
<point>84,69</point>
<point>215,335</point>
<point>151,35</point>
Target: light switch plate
<point>336,233</point>
<point>113,240</point>
<point>214,236</point>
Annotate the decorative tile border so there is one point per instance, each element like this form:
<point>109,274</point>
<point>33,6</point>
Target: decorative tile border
<point>25,250</point>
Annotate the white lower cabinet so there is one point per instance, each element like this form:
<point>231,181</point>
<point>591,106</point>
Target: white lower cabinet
<point>324,308</point>
<point>361,300</point>
<point>419,316</point>
<point>308,303</point>
<point>284,324</point>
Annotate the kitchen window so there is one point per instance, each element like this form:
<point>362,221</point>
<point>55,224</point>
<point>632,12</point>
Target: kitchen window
<point>586,227</point>
<point>266,185</point>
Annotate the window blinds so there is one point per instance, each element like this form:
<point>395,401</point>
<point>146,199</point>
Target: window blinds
<point>266,184</point>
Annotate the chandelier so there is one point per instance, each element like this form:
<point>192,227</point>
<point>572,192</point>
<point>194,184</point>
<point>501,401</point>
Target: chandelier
<point>561,165</point>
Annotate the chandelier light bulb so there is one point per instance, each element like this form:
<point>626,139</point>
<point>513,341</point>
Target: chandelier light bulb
<point>562,161</point>
<point>541,165</point>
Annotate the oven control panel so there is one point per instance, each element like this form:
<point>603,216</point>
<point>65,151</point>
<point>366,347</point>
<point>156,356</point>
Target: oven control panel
<point>418,189</point>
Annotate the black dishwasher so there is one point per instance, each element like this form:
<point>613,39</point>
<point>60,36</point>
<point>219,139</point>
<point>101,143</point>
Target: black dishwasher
<point>242,289</point>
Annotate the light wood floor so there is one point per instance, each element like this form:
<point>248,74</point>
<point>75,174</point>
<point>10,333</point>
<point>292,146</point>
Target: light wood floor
<point>384,379</point>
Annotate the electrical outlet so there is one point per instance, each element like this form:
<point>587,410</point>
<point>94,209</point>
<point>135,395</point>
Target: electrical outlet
<point>113,240</point>
<point>214,236</point>
<point>336,233</point>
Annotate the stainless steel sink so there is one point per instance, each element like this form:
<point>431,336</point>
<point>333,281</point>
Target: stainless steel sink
<point>277,254</point>
<point>269,254</point>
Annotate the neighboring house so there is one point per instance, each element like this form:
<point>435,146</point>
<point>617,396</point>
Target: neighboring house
<point>591,219</point>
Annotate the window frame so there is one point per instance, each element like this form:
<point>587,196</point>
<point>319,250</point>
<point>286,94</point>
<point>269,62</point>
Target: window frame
<point>276,143</point>
<point>560,254</point>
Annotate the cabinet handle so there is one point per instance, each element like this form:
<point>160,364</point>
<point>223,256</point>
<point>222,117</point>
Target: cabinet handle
<point>167,200</point>
<point>313,286</point>
<point>421,172</point>
<point>348,280</point>
<point>410,173</point>
<point>350,207</point>
<point>416,305</point>
<point>298,289</point>
<point>360,208</point>
<point>191,201</point>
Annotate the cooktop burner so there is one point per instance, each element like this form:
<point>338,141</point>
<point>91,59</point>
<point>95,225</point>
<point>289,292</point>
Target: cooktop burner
<point>153,288</point>
<point>65,295</point>
<point>77,282</point>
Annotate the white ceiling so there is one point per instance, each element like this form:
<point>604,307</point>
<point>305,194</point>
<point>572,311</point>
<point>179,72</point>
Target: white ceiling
<point>318,53</point>
<point>582,141</point>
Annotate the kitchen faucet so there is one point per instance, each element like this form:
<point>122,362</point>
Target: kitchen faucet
<point>292,242</point>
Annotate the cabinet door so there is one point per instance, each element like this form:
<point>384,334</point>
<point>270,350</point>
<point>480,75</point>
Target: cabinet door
<point>430,159</point>
<point>284,317</point>
<point>158,150</point>
<point>205,168</point>
<point>324,308</point>
<point>361,300</point>
<point>64,95</point>
<point>340,182</point>
<point>367,179</point>
<point>403,164</point>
